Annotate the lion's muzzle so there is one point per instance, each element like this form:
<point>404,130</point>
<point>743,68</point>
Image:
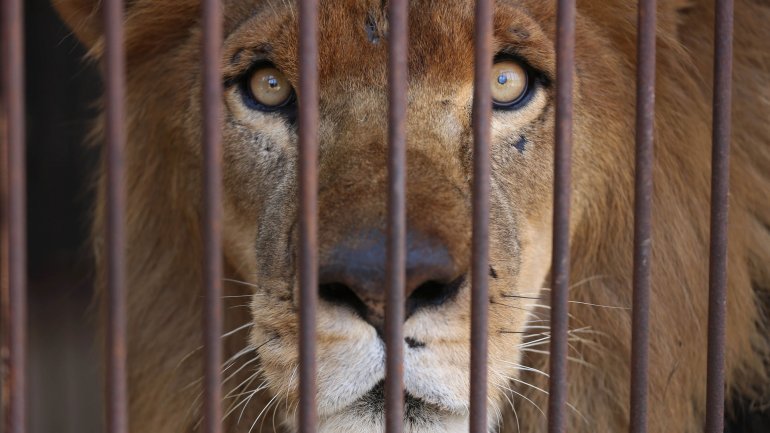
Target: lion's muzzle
<point>353,274</point>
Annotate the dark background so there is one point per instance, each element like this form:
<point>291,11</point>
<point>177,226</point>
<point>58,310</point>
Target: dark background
<point>61,90</point>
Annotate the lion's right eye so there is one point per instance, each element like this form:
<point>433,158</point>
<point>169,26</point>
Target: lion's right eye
<point>268,89</point>
<point>510,84</point>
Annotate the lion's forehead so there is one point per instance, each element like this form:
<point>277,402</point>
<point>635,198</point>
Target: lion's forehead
<point>353,36</point>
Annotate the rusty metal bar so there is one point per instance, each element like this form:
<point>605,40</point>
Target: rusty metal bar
<point>645,116</point>
<point>398,11</point>
<point>720,177</point>
<point>212,215</point>
<point>308,212</point>
<point>13,223</point>
<point>482,113</point>
<point>565,65</point>
<point>114,64</point>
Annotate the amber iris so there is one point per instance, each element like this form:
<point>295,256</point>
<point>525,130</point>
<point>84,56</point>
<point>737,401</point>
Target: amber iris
<point>509,82</point>
<point>270,87</point>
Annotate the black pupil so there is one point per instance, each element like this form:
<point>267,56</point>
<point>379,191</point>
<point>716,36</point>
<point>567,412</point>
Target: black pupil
<point>272,82</point>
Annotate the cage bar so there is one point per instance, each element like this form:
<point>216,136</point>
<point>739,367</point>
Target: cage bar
<point>482,113</point>
<point>645,116</point>
<point>565,64</point>
<point>396,247</point>
<point>720,177</point>
<point>115,236</point>
<point>308,212</point>
<point>212,215</point>
<point>13,282</point>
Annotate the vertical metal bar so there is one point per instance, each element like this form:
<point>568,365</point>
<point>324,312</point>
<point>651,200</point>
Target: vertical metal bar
<point>720,177</point>
<point>396,265</point>
<point>212,214</point>
<point>645,115</point>
<point>565,64</point>
<point>114,63</point>
<point>12,217</point>
<point>308,212</point>
<point>482,113</point>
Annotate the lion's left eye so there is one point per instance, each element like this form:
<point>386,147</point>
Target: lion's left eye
<point>268,89</point>
<point>510,84</point>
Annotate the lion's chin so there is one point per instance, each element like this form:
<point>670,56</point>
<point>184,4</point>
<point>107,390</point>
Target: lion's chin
<point>370,422</point>
<point>350,422</point>
<point>367,415</point>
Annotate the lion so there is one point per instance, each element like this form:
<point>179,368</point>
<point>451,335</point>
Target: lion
<point>260,76</point>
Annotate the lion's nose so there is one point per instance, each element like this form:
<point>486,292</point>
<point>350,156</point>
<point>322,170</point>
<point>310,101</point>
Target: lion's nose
<point>353,275</point>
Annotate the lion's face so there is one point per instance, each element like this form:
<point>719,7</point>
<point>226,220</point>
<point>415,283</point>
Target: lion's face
<point>261,187</point>
<point>260,74</point>
<point>259,64</point>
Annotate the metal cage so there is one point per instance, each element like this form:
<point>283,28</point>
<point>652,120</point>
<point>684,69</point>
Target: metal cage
<point>13,266</point>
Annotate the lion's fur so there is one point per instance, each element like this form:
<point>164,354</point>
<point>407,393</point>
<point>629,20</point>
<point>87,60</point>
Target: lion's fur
<point>163,175</point>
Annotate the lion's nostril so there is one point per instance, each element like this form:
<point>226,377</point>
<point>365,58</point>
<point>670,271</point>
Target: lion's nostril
<point>429,293</point>
<point>432,293</point>
<point>340,294</point>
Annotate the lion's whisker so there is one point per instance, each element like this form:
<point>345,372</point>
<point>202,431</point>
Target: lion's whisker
<point>507,388</point>
<point>600,305</point>
<point>548,307</point>
<point>569,358</point>
<point>569,405</point>
<point>261,387</point>
<point>244,365</point>
<point>288,391</point>
<point>525,368</point>
<point>537,342</point>
<point>267,406</point>
<point>236,404</point>
<point>225,335</point>
<point>245,283</point>
<point>537,291</point>
<point>498,413</point>
<point>241,394</point>
<point>580,283</point>
<point>225,366</point>
<point>230,362</point>
<point>256,371</point>
<point>513,408</point>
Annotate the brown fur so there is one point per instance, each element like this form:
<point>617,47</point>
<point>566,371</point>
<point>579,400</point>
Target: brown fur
<point>163,157</point>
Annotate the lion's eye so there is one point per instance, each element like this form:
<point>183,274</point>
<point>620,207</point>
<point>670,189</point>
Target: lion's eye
<point>510,82</point>
<point>269,88</point>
